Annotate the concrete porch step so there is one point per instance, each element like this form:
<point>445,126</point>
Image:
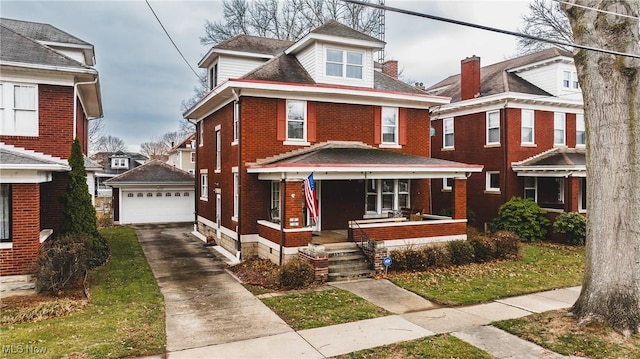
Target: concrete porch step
<point>351,275</point>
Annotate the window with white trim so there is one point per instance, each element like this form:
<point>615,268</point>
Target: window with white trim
<point>493,181</point>
<point>527,127</point>
<point>201,133</point>
<point>5,213</point>
<point>18,109</point>
<point>447,183</point>
<point>275,200</point>
<point>581,133</point>
<point>218,150</point>
<point>119,163</point>
<point>570,80</point>
<point>236,118</point>
<point>385,195</point>
<point>530,188</point>
<point>236,195</point>
<point>213,76</point>
<point>493,128</point>
<point>448,133</point>
<point>343,63</point>
<point>296,120</point>
<point>193,157</point>
<point>204,186</point>
<point>390,125</point>
<point>559,128</point>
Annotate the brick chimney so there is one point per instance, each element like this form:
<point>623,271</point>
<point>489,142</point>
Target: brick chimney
<point>390,68</point>
<point>470,78</point>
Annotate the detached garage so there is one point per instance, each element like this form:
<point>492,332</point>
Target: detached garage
<point>153,193</point>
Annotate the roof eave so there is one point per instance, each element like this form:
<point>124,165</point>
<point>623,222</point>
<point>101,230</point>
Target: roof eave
<point>312,37</point>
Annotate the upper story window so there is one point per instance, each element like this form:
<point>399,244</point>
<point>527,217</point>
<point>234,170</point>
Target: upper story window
<point>236,119</point>
<point>213,76</point>
<point>390,125</point>
<point>193,157</point>
<point>493,128</point>
<point>559,128</point>
<point>204,186</point>
<point>201,133</point>
<point>448,133</point>
<point>581,133</point>
<point>527,124</point>
<point>18,109</point>
<point>218,150</point>
<point>119,163</point>
<point>343,63</point>
<point>296,120</point>
<point>570,80</point>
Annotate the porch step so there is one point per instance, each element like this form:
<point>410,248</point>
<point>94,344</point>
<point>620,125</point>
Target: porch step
<point>346,262</point>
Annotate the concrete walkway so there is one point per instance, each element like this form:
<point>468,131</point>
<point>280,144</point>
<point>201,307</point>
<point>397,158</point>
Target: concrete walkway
<point>214,316</point>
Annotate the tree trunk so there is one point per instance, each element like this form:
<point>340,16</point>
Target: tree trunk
<point>610,87</point>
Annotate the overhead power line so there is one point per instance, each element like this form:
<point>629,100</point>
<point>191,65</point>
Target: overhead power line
<point>174,44</point>
<point>488,28</point>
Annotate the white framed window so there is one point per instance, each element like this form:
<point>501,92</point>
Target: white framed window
<point>493,128</point>
<point>531,188</point>
<point>18,109</point>
<point>236,118</point>
<point>570,80</point>
<point>390,125</point>
<point>193,157</point>
<point>236,195</point>
<point>296,120</point>
<point>447,184</point>
<point>119,163</point>
<point>581,133</point>
<point>343,63</point>
<point>275,200</point>
<point>384,195</point>
<point>5,213</point>
<point>493,181</point>
<point>559,128</point>
<point>201,133</point>
<point>213,76</point>
<point>447,133</point>
<point>204,186</point>
<point>527,120</point>
<point>218,150</point>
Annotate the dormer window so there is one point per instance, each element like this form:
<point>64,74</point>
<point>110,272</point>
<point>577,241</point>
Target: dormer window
<point>119,163</point>
<point>570,80</point>
<point>343,63</point>
<point>213,76</point>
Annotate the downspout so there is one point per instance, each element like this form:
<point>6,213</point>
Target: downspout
<point>283,199</point>
<point>504,154</point>
<point>75,106</point>
<point>240,170</point>
<point>195,173</point>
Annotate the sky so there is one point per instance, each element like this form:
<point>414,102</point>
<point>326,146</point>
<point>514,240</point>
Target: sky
<point>144,79</point>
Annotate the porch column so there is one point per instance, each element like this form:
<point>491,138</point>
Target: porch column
<point>293,197</point>
<point>459,204</point>
<point>573,184</point>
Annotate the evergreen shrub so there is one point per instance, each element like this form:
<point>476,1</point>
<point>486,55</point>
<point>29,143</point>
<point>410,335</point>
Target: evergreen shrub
<point>523,217</point>
<point>574,226</point>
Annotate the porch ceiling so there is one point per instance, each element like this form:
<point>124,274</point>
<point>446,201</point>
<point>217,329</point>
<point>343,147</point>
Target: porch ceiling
<point>355,160</point>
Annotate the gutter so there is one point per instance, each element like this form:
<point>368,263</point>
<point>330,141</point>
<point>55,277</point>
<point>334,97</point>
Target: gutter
<point>75,107</point>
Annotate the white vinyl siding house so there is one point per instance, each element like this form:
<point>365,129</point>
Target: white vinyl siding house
<point>231,67</point>
<point>319,70</point>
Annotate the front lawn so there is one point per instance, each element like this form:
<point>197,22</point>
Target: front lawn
<point>320,308</point>
<point>543,267</point>
<point>125,317</point>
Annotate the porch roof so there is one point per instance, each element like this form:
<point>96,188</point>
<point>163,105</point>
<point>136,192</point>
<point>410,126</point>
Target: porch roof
<point>556,162</point>
<point>355,160</point>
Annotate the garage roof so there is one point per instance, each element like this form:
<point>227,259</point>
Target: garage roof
<point>152,172</point>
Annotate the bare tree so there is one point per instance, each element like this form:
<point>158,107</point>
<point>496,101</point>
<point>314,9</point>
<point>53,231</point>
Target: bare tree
<point>96,131</point>
<point>611,94</point>
<point>110,144</point>
<point>545,20</point>
<point>286,19</point>
<point>156,150</point>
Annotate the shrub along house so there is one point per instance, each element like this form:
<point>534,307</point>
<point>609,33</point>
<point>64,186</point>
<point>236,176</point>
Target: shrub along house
<point>521,119</point>
<point>48,93</point>
<point>279,110</point>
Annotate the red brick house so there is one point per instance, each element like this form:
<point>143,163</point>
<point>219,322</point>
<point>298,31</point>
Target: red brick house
<point>521,119</point>
<point>48,93</point>
<point>280,110</point>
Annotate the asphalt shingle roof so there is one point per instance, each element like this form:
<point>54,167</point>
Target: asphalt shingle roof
<point>335,28</point>
<point>557,157</point>
<point>282,68</point>
<point>153,172</point>
<point>496,79</point>
<point>254,44</point>
<point>41,32</point>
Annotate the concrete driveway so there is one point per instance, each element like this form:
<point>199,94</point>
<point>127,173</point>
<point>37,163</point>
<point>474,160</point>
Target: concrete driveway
<point>204,304</point>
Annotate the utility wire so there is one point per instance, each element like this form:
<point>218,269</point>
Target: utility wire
<point>488,28</point>
<point>174,44</point>
<point>598,10</point>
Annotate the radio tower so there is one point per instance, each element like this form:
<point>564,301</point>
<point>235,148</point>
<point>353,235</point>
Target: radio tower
<point>381,27</point>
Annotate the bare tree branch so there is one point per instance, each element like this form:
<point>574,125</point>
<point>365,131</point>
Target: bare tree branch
<point>545,20</point>
<point>96,131</point>
<point>110,144</point>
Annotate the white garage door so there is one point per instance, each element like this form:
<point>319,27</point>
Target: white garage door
<point>157,206</point>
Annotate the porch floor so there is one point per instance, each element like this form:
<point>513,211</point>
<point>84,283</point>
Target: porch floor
<point>333,236</point>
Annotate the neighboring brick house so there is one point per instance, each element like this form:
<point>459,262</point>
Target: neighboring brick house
<point>522,119</point>
<point>48,93</point>
<point>183,155</point>
<point>280,110</point>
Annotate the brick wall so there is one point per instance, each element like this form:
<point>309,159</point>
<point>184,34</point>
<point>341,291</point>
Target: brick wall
<point>22,257</point>
<point>416,230</point>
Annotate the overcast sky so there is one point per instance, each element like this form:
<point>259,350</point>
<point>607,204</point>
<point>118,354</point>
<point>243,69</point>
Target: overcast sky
<point>144,79</point>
